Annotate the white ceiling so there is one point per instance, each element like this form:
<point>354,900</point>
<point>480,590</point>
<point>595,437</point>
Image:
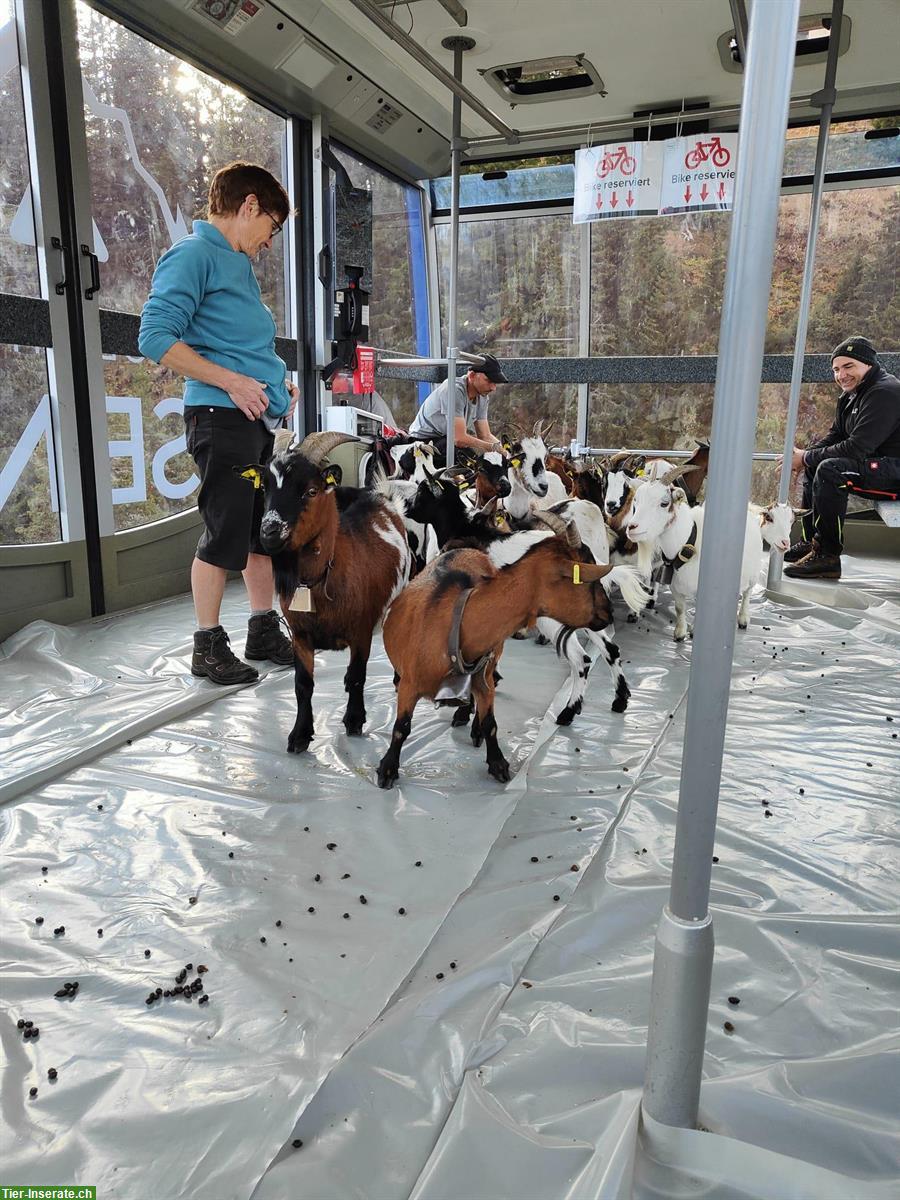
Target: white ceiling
<point>648,52</point>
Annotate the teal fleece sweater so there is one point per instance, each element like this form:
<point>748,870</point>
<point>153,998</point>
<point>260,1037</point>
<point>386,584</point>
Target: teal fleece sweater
<point>205,294</point>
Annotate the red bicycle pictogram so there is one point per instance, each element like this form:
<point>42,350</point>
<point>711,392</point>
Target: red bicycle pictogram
<point>719,154</point>
<point>619,160</point>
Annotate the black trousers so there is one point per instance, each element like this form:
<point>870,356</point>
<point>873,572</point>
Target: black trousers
<point>825,493</point>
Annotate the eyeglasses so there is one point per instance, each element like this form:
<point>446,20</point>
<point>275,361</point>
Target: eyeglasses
<point>276,228</point>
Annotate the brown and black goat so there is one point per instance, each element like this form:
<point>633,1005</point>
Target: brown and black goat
<point>344,550</point>
<point>550,579</point>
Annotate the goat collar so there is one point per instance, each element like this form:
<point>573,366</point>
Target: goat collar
<point>323,578</point>
<point>459,666</point>
<point>686,553</point>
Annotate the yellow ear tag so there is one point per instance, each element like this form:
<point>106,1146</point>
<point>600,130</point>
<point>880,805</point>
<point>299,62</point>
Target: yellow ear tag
<point>576,572</point>
<point>252,473</point>
<point>462,484</point>
<point>516,462</point>
<point>329,478</point>
<point>640,472</point>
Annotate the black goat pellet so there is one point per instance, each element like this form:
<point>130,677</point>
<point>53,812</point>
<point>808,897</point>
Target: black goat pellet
<point>534,858</point>
<point>263,940</point>
<point>453,966</point>
<point>296,1143</point>
<point>734,999</point>
<point>44,870</point>
<point>311,909</point>
<point>52,1073</point>
<point>440,975</point>
<point>192,899</point>
<point>574,867</point>
<point>363,900</point>
<point>204,999</point>
<point>146,954</point>
<point>62,993</point>
<point>201,970</point>
<point>99,808</point>
<point>728,1027</point>
<point>402,912</point>
<point>28,1024</point>
<point>99,933</point>
<point>20,1024</point>
<point>419,863</point>
<point>556,898</point>
<point>346,916</point>
<point>331,846</point>
<point>231,854</point>
<point>159,991</point>
<point>317,878</point>
<point>277,924</point>
<point>32,1092</point>
<point>346,875</point>
<point>38,920</point>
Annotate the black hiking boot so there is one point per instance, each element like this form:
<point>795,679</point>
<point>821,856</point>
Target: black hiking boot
<point>214,659</point>
<point>797,551</point>
<point>816,565</point>
<point>266,640</point>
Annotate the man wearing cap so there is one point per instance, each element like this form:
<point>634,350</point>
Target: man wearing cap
<point>862,447</point>
<point>471,397</point>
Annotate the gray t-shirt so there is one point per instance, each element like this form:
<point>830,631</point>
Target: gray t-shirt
<point>431,419</point>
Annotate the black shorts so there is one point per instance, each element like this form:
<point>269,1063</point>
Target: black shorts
<point>220,439</point>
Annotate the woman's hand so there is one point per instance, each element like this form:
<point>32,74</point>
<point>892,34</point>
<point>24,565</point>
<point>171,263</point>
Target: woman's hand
<point>294,393</point>
<point>249,395</point>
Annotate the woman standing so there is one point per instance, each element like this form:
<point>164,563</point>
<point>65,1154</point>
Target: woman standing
<point>205,319</point>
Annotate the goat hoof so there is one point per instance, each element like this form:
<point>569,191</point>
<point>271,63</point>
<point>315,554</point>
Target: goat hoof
<point>566,715</point>
<point>742,624</point>
<point>651,603</point>
<point>477,739</point>
<point>461,717</point>
<point>497,677</point>
<point>519,636</point>
<point>298,745</point>
<point>620,704</point>
<point>541,640</point>
<point>354,728</point>
<point>499,769</point>
<point>631,619</point>
<point>387,775</point>
<point>679,637</point>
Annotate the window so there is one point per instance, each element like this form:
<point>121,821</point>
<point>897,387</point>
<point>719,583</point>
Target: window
<point>18,257</point>
<point>157,130</point>
<point>29,495</point>
<point>398,302</point>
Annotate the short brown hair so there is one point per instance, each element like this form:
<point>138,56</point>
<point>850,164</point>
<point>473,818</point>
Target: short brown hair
<point>233,183</point>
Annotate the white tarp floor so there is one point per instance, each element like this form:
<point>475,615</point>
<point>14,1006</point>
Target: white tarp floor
<point>489,1042</point>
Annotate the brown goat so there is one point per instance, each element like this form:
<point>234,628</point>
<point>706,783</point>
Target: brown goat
<point>347,549</point>
<point>543,582</point>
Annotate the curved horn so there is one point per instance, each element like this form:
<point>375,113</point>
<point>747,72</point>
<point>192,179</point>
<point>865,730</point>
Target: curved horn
<point>561,527</point>
<point>677,472</point>
<point>541,430</point>
<point>315,446</point>
<point>283,439</point>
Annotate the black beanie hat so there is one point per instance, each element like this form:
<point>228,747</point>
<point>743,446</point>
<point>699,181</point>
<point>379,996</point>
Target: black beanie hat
<point>859,348</point>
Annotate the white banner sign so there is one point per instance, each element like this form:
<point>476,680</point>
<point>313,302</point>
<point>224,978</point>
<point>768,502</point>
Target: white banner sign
<point>698,173</point>
<point>622,179</point>
<point>650,179</point>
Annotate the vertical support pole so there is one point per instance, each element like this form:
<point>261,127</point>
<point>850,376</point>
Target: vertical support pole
<point>584,330</point>
<point>682,962</point>
<point>826,99</point>
<point>458,45</point>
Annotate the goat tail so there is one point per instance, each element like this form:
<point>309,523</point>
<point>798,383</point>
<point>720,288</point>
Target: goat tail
<point>628,581</point>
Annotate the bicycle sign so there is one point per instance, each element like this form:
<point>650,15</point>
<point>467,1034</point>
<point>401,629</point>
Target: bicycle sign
<point>618,180</point>
<point>616,160</point>
<point>703,151</point>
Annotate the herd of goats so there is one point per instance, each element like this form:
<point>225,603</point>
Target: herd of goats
<point>452,561</point>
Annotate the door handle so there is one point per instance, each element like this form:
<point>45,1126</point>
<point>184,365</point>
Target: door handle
<point>324,266</point>
<point>60,287</point>
<point>90,292</point>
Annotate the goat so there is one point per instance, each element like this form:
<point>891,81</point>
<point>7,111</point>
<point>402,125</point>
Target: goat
<point>347,549</point>
<point>423,543</point>
<point>531,486</point>
<point>491,603</point>
<point>660,516</point>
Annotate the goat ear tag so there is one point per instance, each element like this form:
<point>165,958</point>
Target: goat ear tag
<point>576,572</point>
<point>516,462</point>
<point>252,473</point>
<point>302,601</point>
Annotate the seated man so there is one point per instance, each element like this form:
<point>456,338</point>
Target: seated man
<point>862,446</point>
<point>471,393</point>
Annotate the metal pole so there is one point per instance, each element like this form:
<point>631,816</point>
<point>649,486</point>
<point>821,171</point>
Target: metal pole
<point>584,330</point>
<point>682,962</point>
<point>826,97</point>
<point>739,16</point>
<point>458,45</point>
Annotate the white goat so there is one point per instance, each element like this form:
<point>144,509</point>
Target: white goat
<point>532,486</point>
<point>661,517</point>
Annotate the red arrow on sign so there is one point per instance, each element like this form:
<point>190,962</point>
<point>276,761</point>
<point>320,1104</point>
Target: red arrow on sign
<point>599,199</point>
<point>704,193</point>
<point>687,195</point>
<point>722,190</point>
<point>613,200</point>
<point>629,199</point>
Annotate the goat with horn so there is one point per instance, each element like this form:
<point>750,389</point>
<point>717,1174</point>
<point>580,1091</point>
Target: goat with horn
<point>340,556</point>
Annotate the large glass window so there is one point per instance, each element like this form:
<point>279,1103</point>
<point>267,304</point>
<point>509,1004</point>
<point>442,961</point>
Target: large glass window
<point>18,258</point>
<point>29,496</point>
<point>398,302</point>
<point>157,130</point>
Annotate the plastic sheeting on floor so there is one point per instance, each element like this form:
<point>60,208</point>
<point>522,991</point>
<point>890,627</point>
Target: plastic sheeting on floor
<point>490,1041</point>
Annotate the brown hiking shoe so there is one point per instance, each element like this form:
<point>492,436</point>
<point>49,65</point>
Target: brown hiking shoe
<point>265,639</point>
<point>797,551</point>
<point>816,565</point>
<point>214,659</point>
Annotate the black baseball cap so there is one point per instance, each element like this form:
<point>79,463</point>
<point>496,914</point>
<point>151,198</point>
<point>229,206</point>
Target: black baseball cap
<point>491,368</point>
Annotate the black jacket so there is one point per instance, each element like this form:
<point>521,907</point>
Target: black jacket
<point>867,422</point>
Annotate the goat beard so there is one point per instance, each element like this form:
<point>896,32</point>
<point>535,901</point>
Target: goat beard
<point>645,558</point>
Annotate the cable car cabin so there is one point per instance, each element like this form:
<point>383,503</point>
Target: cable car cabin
<point>651,241</point>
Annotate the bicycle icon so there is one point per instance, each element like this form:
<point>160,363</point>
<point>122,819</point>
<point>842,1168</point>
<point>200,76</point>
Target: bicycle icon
<point>703,151</point>
<point>619,160</point>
